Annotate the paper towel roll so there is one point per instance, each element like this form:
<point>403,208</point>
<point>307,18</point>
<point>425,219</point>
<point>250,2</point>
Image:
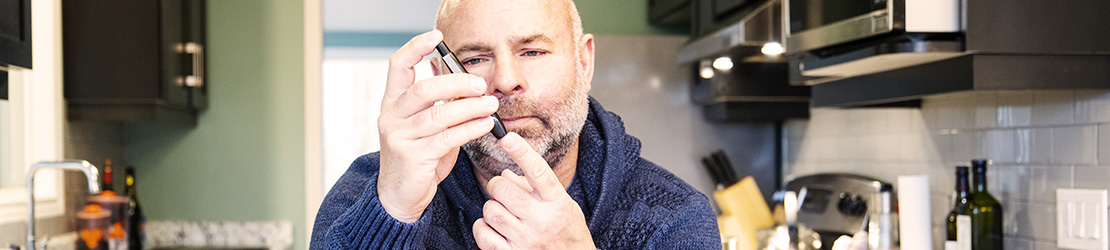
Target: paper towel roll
<point>914,212</point>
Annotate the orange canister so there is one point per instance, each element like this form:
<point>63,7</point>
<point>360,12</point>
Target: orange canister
<point>92,227</point>
<point>117,230</point>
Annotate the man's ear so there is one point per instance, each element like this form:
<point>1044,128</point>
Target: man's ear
<point>586,59</point>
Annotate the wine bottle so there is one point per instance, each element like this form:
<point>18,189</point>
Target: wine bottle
<point>958,223</point>
<point>106,189</point>
<point>986,212</point>
<point>135,217</point>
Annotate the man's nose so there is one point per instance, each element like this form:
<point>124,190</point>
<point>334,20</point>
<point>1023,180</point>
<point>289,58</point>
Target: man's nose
<point>507,78</point>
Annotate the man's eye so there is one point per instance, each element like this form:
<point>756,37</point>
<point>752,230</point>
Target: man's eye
<point>533,53</point>
<point>472,61</point>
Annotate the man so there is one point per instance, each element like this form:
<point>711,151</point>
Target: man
<point>566,176</point>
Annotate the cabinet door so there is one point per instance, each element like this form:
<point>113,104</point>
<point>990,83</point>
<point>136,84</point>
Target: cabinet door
<point>194,28</point>
<point>174,58</point>
<point>15,33</point>
<point>724,8</point>
<point>111,51</point>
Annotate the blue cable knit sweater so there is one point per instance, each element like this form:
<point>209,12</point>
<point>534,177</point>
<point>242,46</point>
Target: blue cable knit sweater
<point>628,202</point>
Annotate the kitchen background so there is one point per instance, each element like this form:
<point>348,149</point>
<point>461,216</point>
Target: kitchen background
<point>245,158</point>
<point>1038,140</point>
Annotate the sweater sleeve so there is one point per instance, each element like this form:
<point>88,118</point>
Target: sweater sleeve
<point>366,225</point>
<point>694,226</point>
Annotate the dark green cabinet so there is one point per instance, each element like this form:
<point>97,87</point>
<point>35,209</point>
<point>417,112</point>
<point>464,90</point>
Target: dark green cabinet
<point>713,15</point>
<point>134,60</point>
<point>15,33</point>
<point>15,38</point>
<point>669,13</point>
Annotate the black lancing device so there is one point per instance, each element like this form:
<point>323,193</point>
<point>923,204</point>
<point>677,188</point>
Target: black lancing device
<point>455,66</point>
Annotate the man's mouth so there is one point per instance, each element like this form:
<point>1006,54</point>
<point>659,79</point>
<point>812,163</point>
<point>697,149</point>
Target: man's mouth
<point>517,121</point>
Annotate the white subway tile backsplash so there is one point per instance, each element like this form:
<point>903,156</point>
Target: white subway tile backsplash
<point>942,180</point>
<point>863,122</point>
<point>1091,177</point>
<point>888,148</point>
<point>1044,245</point>
<point>1075,145</point>
<point>1053,107</point>
<point>1018,244</point>
<point>1023,141</point>
<point>1041,145</point>
<point>1043,182</point>
<point>819,149</point>
<point>1092,106</point>
<point>1104,144</point>
<point>942,143</point>
<point>930,114</point>
<point>1015,108</point>
<point>955,114</point>
<point>940,206</point>
<point>833,122</point>
<point>999,145</point>
<point>1029,220</point>
<point>1010,183</point>
<point>913,147</point>
<point>966,146</point>
<point>985,108</point>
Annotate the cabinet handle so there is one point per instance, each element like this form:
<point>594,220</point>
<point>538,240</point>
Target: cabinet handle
<point>195,78</point>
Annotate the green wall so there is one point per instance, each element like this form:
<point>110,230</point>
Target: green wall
<point>244,161</point>
<point>618,17</point>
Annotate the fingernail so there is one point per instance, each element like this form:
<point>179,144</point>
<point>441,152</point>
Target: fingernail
<point>432,36</point>
<point>490,100</point>
<point>511,144</point>
<point>506,173</point>
<point>478,84</point>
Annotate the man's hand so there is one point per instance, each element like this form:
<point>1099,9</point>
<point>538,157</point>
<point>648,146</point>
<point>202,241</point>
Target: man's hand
<point>531,212</point>
<point>420,141</point>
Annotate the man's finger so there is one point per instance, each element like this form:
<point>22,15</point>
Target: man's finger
<point>401,73</point>
<point>497,216</point>
<point>535,168</point>
<point>509,196</point>
<point>423,94</point>
<point>487,238</point>
<point>518,180</point>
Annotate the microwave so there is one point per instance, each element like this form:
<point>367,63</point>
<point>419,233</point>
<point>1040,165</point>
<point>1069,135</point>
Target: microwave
<point>816,24</point>
<point>827,40</point>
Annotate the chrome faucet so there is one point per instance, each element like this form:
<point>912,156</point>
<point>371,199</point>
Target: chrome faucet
<point>91,174</point>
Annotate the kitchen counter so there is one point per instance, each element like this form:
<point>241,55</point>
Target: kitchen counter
<point>204,235</point>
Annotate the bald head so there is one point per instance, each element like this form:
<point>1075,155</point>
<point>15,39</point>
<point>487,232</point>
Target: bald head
<point>565,9</point>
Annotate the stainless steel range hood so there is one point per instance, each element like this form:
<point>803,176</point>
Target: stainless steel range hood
<point>740,73</point>
<point>762,27</point>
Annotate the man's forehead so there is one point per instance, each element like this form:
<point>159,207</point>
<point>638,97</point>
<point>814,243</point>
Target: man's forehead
<point>484,45</point>
<point>485,22</point>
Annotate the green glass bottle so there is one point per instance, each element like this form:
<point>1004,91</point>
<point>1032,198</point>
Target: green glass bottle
<point>137,233</point>
<point>958,223</point>
<point>986,212</point>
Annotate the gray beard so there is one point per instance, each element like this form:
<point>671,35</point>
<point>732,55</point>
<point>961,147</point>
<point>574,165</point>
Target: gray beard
<point>487,156</point>
<point>562,130</point>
